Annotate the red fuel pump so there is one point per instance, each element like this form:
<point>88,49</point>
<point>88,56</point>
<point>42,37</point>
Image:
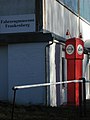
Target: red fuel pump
<point>74,55</point>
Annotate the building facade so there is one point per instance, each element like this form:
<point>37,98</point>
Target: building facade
<point>62,15</point>
<point>32,47</point>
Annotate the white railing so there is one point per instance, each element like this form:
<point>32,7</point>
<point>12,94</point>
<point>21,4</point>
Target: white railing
<point>43,84</point>
<point>19,87</point>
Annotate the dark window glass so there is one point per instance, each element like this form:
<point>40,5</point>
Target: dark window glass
<point>85,9</point>
<point>72,4</point>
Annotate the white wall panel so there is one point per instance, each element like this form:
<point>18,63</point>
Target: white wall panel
<point>59,19</point>
<point>53,101</point>
<point>85,29</point>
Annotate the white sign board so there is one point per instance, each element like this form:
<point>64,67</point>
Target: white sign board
<point>80,49</point>
<point>70,49</point>
<point>17,23</point>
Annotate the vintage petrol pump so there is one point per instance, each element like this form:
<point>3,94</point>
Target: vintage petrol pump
<point>74,55</point>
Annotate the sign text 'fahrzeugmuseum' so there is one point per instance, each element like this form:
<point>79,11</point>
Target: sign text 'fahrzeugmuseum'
<point>17,23</point>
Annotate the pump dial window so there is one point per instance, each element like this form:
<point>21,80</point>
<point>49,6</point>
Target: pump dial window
<point>70,49</point>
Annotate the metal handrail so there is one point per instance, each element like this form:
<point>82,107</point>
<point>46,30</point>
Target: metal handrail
<point>19,87</point>
<point>43,84</point>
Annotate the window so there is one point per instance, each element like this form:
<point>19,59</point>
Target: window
<point>72,4</point>
<point>85,9</point>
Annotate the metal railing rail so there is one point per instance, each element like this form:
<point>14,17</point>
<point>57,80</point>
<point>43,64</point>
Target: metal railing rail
<point>43,84</point>
<point>19,87</point>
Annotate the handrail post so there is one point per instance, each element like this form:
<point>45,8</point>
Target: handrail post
<point>84,96</point>
<point>82,93</point>
<point>13,103</point>
<point>80,97</point>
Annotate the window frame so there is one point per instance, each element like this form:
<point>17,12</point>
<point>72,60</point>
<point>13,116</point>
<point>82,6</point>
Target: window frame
<point>68,8</point>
